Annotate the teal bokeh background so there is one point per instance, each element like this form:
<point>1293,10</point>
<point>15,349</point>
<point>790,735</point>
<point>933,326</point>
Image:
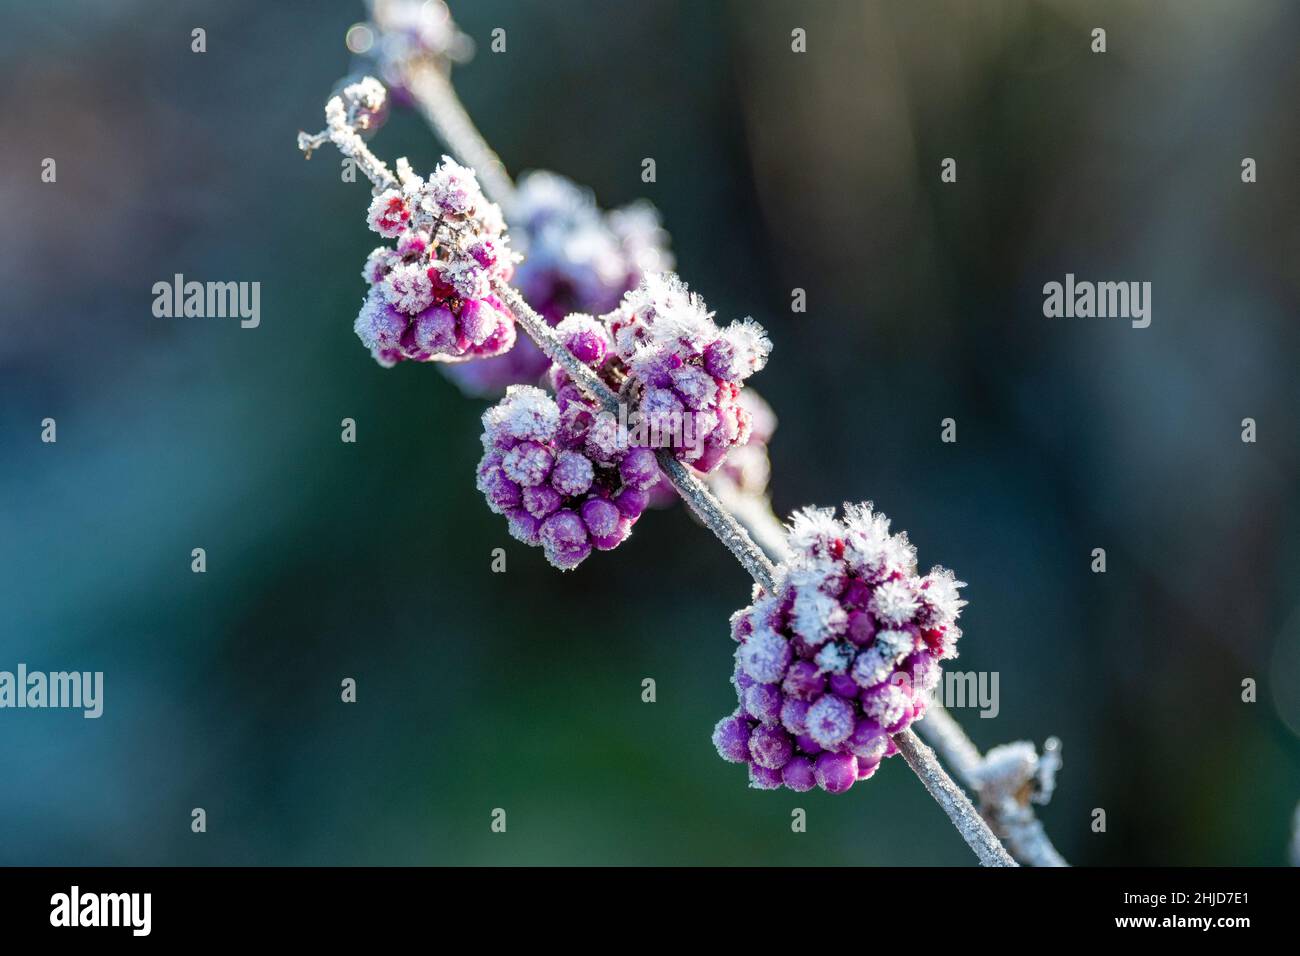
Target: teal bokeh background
<point>775,171</point>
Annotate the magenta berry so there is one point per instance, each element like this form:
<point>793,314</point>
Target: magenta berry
<point>847,650</point>
<point>803,680</point>
<point>639,468</point>
<point>564,539</point>
<point>770,747</point>
<point>794,715</point>
<point>762,702</point>
<point>389,213</point>
<point>830,721</point>
<point>799,774</point>
<point>765,655</point>
<point>731,737</point>
<point>763,778</point>
<point>836,772</point>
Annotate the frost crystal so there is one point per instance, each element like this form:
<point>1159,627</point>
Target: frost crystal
<point>842,655</point>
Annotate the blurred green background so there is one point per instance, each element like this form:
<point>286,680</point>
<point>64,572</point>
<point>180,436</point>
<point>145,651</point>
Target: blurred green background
<point>522,690</point>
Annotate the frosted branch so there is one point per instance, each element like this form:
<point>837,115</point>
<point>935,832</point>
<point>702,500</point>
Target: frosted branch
<point>1007,781</point>
<point>953,801</point>
<point>437,100</point>
<point>755,514</point>
<point>550,343</point>
<point>345,114</point>
<point>442,109</point>
<point>718,520</point>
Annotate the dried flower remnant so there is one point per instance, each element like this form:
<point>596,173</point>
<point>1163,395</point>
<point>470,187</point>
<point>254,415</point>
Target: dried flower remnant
<point>575,258</point>
<point>558,473</point>
<point>840,656</point>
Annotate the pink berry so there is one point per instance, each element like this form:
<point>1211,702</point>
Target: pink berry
<point>836,772</point>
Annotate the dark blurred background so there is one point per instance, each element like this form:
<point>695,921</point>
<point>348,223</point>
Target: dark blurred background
<point>775,170</point>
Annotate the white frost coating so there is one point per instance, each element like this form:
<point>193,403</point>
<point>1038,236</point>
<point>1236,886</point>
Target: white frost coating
<point>468,278</point>
<point>579,323</point>
<point>695,385</point>
<point>870,668</point>
<point>764,655</point>
<point>526,412</point>
<point>887,703</point>
<point>939,593</point>
<point>380,260</point>
<point>1012,818</point>
<point>388,213</point>
<point>894,602</point>
<point>1010,778</point>
<point>750,346</point>
<point>454,187</point>
<point>894,645</point>
<point>811,532</point>
<point>834,658</point>
<point>960,811</point>
<point>830,721</point>
<point>817,616</point>
<point>367,94</point>
<point>364,325</point>
<point>1006,768</point>
<point>662,318</point>
<point>408,287</point>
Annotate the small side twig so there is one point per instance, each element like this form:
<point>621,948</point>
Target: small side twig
<point>1007,781</point>
<point>343,114</point>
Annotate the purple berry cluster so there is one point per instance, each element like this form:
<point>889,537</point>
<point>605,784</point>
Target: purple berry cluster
<point>841,656</point>
<point>557,470</point>
<point>576,258</point>
<point>430,297</point>
<point>683,367</point>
